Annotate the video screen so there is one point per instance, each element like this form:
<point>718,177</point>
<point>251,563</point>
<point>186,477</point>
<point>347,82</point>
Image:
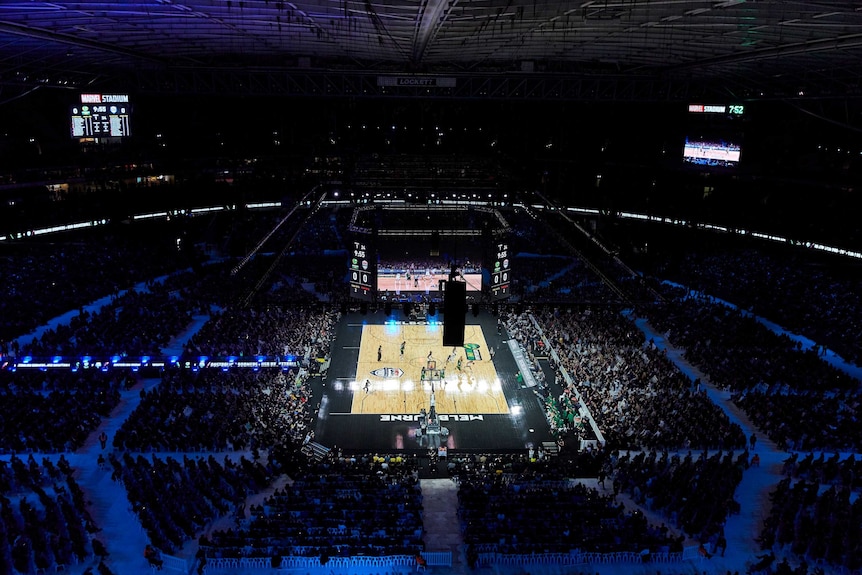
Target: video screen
<point>711,152</point>
<point>714,134</point>
<point>399,280</point>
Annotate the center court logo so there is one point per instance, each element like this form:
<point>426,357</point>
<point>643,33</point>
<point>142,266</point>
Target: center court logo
<point>388,372</point>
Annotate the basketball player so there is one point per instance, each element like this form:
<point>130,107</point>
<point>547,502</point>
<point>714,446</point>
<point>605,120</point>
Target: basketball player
<point>452,356</point>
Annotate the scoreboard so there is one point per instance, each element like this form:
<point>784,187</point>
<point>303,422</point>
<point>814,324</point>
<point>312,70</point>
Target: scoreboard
<point>101,116</point>
<point>501,273</point>
<point>715,136</point>
<point>362,276</point>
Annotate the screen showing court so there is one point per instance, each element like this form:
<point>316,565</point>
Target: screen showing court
<point>411,278</point>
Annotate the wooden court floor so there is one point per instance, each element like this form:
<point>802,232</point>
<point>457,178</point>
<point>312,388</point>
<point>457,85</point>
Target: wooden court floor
<point>389,381</point>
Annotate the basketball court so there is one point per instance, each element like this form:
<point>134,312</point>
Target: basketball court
<point>375,395</point>
<point>464,377</point>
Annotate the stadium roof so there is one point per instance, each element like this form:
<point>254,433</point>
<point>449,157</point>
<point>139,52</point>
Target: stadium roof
<point>736,47</point>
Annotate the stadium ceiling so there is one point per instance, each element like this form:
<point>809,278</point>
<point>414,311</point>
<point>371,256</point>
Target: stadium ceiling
<point>612,49</point>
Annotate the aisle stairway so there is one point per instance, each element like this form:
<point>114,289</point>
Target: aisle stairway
<point>440,518</point>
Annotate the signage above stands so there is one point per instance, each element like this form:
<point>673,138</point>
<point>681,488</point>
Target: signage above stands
<point>101,116</point>
<point>416,81</point>
<point>734,109</point>
<point>104,98</point>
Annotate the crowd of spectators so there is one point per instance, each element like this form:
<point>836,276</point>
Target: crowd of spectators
<point>55,410</point>
<point>341,506</point>
<point>696,493</point>
<point>824,487</point>
<point>601,262</point>
<point>307,280</point>
<point>42,281</point>
<point>815,524</point>
<point>572,282</point>
<point>143,321</point>
<point>320,234</point>
<point>206,287</point>
<point>537,268</point>
<point>237,410</point>
<point>844,472</point>
<point>788,392</point>
<point>299,332</point>
<point>740,352</point>
<point>805,420</point>
<point>537,512</point>
<point>530,463</point>
<point>300,232</point>
<point>638,397</point>
<point>529,237</point>
<point>136,323</point>
<point>175,500</point>
<point>235,234</point>
<point>803,292</point>
<point>43,520</point>
<point>237,282</point>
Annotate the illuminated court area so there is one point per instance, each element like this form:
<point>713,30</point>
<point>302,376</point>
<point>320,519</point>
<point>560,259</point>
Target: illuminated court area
<point>464,378</point>
<point>375,394</point>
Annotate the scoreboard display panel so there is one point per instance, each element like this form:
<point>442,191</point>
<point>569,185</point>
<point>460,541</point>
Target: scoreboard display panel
<point>715,136</point>
<point>501,272</point>
<point>101,116</point>
<point>362,275</point>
